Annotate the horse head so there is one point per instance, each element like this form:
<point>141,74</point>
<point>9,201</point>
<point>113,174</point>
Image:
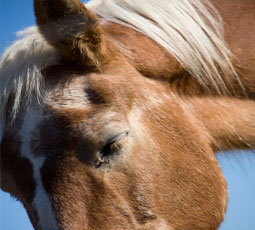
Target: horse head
<point>95,138</point>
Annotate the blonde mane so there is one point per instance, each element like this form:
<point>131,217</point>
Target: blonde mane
<point>20,68</point>
<point>188,29</point>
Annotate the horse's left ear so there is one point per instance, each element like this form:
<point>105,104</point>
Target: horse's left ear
<point>72,29</point>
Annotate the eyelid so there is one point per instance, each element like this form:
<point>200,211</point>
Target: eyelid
<point>117,137</point>
<point>112,146</point>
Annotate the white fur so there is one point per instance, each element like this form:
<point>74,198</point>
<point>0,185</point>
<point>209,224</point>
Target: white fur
<point>135,120</point>
<point>41,202</point>
<point>162,225</point>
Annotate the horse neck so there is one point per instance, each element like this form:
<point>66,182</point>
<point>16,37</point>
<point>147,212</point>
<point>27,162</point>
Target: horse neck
<point>239,37</point>
<point>227,123</point>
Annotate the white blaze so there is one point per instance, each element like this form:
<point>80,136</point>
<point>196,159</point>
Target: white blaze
<point>41,202</point>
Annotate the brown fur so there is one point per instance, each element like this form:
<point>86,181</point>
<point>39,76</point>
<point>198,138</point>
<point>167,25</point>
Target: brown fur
<point>164,174</point>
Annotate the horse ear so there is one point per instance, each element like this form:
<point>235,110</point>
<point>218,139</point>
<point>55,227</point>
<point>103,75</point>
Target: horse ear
<point>71,28</point>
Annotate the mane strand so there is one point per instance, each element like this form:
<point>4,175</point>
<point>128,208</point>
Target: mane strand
<point>20,70</point>
<point>191,30</point>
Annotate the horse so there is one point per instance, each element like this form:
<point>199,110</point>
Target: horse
<point>111,113</point>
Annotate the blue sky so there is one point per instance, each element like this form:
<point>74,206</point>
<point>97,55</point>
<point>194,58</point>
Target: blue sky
<point>238,168</point>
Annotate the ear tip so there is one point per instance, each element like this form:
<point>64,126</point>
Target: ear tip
<point>71,28</point>
<point>48,10</point>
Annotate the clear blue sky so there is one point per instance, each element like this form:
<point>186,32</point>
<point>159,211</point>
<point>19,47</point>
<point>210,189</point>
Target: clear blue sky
<point>238,168</point>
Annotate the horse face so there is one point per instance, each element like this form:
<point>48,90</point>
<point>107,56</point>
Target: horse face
<point>98,153</point>
<point>106,147</point>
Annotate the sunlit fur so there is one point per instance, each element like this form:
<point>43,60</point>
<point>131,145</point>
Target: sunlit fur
<point>113,118</point>
<point>187,29</point>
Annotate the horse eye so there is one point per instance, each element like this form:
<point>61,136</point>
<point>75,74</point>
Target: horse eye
<point>111,148</point>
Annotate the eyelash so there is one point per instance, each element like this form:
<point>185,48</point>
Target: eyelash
<point>107,151</point>
<point>111,148</point>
